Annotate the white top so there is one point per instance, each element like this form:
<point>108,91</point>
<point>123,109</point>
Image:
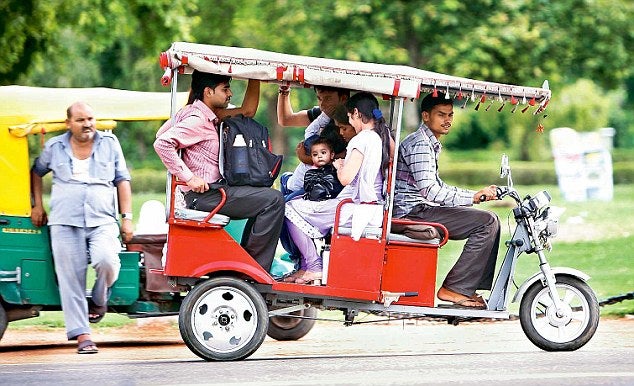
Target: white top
<point>367,185</point>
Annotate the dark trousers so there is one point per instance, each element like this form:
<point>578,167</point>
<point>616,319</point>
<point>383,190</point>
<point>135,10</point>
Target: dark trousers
<point>264,209</point>
<point>476,265</point>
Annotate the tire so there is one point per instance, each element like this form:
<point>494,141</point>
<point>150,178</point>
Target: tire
<point>567,332</point>
<point>223,319</point>
<point>289,328</point>
<point>3,321</point>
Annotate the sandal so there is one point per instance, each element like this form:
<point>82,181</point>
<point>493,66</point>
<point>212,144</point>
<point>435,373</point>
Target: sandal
<point>469,303</point>
<point>460,301</point>
<point>95,312</point>
<point>87,347</point>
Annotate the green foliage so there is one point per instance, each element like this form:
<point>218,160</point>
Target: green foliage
<point>482,174</point>
<point>148,180</point>
<point>623,172</point>
<point>25,31</point>
<point>136,140</point>
<point>468,172</point>
<point>105,43</point>
<point>583,106</point>
<point>115,43</point>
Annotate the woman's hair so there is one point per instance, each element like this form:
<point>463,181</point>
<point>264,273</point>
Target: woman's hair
<point>368,107</point>
<point>331,133</point>
<point>341,114</point>
<point>200,80</point>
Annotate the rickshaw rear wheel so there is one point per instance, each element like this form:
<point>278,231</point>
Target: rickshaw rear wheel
<point>3,321</point>
<point>223,319</point>
<point>566,329</point>
<point>291,328</point>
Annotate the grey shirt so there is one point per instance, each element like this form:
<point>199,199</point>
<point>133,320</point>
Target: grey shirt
<point>78,203</point>
<point>417,179</point>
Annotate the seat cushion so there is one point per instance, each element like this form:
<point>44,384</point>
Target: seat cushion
<point>375,233</point>
<point>198,215</point>
<point>402,238</point>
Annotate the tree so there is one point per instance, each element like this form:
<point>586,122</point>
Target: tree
<point>115,43</point>
<point>24,31</point>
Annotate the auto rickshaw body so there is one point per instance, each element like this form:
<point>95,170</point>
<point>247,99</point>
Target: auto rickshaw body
<point>27,275</point>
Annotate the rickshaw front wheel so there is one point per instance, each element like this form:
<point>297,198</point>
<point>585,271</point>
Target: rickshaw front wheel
<point>223,319</point>
<point>567,328</point>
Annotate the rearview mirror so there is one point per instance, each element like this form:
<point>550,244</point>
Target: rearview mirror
<point>504,168</point>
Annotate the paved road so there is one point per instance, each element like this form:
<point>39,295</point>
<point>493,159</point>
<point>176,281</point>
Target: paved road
<point>395,353</point>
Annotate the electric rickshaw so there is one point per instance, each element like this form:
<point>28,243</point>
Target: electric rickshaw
<point>232,302</point>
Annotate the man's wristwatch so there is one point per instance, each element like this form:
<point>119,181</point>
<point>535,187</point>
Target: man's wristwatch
<point>126,215</point>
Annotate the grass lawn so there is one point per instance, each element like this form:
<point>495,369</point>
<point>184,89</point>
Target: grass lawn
<point>594,237</point>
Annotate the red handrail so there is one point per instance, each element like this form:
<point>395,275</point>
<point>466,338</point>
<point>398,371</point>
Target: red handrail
<point>204,223</point>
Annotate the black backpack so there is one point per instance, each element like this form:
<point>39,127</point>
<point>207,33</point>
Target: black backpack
<point>245,155</point>
<point>321,183</point>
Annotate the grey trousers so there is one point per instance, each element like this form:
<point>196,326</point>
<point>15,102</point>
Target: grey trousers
<point>476,265</point>
<point>264,209</point>
<point>73,249</point>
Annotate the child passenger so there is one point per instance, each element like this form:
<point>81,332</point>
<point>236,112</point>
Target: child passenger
<point>361,173</point>
<point>321,182</point>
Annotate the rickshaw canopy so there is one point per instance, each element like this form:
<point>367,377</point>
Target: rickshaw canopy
<point>39,110</point>
<point>390,80</point>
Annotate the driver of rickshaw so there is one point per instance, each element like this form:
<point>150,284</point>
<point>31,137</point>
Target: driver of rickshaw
<point>421,195</point>
<point>194,130</point>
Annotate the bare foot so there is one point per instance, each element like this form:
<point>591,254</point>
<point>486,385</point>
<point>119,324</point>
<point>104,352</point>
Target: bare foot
<point>310,277</point>
<point>293,276</point>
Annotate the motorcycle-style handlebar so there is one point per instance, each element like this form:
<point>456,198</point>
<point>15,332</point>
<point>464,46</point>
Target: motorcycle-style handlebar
<point>501,192</point>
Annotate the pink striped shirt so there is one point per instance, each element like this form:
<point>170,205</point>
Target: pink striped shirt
<point>195,132</point>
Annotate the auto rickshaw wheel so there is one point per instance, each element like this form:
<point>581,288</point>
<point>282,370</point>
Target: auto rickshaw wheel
<point>564,329</point>
<point>291,328</point>
<point>3,321</point>
<point>223,318</point>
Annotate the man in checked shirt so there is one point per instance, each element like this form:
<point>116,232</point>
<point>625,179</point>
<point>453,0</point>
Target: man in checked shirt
<point>421,195</point>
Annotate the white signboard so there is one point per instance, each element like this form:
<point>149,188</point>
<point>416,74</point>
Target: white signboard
<point>583,164</point>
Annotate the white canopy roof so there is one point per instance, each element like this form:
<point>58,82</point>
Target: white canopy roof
<point>394,80</point>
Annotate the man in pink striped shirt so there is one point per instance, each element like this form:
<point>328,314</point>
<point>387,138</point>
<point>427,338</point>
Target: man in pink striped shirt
<point>193,130</point>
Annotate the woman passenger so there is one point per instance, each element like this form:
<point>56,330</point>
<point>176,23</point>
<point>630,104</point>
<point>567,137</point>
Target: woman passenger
<point>361,173</point>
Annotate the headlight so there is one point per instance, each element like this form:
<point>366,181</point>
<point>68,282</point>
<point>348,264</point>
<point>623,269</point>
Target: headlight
<point>551,227</point>
<point>537,202</point>
<point>548,222</point>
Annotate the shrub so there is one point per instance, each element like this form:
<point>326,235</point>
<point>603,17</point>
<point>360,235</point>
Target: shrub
<point>148,180</point>
<point>483,174</point>
<point>623,172</point>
